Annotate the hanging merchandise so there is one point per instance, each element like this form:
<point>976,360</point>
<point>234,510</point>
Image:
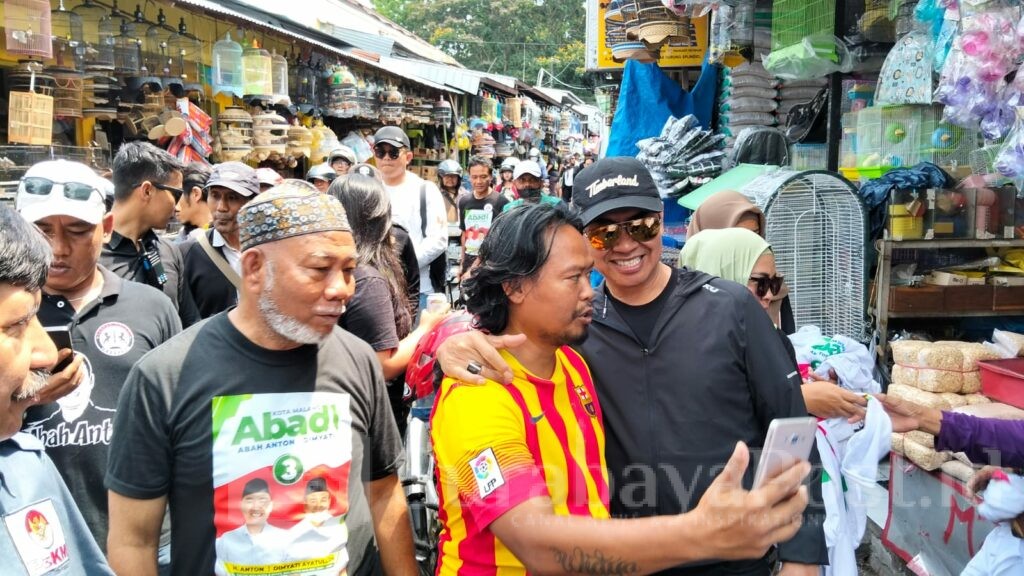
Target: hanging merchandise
<point>279,78</point>
<point>731,37</point>
<point>30,113</point>
<point>442,112</point>
<point>392,108</point>
<point>189,129</point>
<point>257,75</point>
<point>27,27</point>
<point>324,141</point>
<point>156,56</point>
<point>67,93</point>
<point>359,145</point>
<point>1010,160</point>
<point>370,105</point>
<point>906,76</point>
<point>514,106</point>
<point>227,66</point>
<point>343,95</point>
<point>126,50</point>
<point>185,53</point>
<point>68,41</point>
<point>269,136</point>
<point>98,32</point>
<point>812,57</point>
<point>657,25</point>
<point>234,135</point>
<point>305,86</point>
<point>300,140</point>
<point>683,157</point>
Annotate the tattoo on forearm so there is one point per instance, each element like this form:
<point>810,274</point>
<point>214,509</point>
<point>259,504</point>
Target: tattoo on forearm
<point>593,562</point>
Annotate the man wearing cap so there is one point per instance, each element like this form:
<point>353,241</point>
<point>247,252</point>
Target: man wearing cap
<point>42,530</point>
<point>256,541</point>
<point>685,366</point>
<point>268,178</point>
<point>147,186</point>
<point>212,263</point>
<point>192,210</point>
<point>527,179</point>
<point>477,211</point>
<point>536,157</point>
<point>416,205</point>
<point>321,176</point>
<point>113,322</point>
<point>299,399</point>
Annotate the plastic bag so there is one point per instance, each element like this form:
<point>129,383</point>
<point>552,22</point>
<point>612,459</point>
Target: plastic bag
<point>359,145</point>
<point>748,118</point>
<point>814,57</point>
<point>1009,160</point>
<point>749,105</point>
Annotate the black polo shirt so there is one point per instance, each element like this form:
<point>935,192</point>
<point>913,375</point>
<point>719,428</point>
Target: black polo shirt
<point>210,290</point>
<point>121,257</point>
<point>125,322</point>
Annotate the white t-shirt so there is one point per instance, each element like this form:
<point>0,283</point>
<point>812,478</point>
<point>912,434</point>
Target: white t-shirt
<point>234,257</point>
<point>405,211</point>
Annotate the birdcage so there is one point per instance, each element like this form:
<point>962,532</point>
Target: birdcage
<point>983,159</point>
<point>27,27</point>
<point>300,140</point>
<point>370,106</point>
<point>185,51</point>
<point>793,20</point>
<point>257,72</point>
<point>98,33</point>
<point>392,109</point>
<point>304,88</point>
<point>279,78</point>
<point>156,54</point>
<point>899,136</point>
<point>343,96</point>
<point>227,66</point>
<point>67,92</point>
<point>127,56</point>
<point>269,135</point>
<point>817,227</point>
<point>848,143</point>
<point>234,135</point>
<point>68,44</point>
<point>857,94</point>
<point>30,114</point>
<point>442,112</point>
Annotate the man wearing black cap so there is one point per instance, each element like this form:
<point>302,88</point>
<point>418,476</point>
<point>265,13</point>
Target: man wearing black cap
<point>212,262</point>
<point>685,365</point>
<point>416,205</point>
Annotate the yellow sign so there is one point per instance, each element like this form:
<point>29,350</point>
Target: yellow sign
<point>674,54</point>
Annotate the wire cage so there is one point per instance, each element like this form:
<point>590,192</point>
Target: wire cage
<point>793,20</point>
<point>68,40</point>
<point>27,27</point>
<point>67,95</point>
<point>15,160</point>
<point>817,227</point>
<point>98,33</point>
<point>896,136</point>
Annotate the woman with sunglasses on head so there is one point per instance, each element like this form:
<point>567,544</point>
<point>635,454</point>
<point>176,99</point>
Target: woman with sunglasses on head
<point>739,255</point>
<point>729,209</point>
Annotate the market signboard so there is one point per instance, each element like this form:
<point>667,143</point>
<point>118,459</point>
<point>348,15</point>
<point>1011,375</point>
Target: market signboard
<point>931,516</point>
<point>673,55</point>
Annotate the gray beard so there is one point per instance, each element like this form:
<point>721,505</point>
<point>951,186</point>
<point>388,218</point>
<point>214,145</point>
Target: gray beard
<point>284,326</point>
<point>35,383</point>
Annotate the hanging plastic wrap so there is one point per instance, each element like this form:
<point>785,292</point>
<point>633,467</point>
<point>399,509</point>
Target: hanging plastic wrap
<point>1009,160</point>
<point>813,57</point>
<point>731,37</point>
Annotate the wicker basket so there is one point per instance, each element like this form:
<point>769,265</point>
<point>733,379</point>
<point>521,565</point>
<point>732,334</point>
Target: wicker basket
<point>29,118</point>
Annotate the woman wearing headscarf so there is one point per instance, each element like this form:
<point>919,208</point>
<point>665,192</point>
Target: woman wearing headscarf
<point>729,209</point>
<point>739,255</point>
<point>378,312</point>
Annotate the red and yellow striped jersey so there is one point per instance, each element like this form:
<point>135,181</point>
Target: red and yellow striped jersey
<point>497,446</point>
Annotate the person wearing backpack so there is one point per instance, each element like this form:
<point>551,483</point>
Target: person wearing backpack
<point>416,205</point>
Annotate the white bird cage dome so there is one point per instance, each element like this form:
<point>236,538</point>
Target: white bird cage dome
<point>817,227</point>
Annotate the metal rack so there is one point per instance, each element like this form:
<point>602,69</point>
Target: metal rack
<point>16,160</point>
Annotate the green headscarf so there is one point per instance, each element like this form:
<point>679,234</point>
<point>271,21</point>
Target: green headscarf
<point>729,253</point>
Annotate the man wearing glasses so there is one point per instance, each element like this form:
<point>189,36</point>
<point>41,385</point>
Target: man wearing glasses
<point>112,323</point>
<point>685,365</point>
<point>147,186</point>
<point>416,204</point>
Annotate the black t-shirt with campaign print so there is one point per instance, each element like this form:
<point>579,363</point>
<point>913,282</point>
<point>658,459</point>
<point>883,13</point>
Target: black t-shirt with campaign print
<point>127,320</point>
<point>235,434</point>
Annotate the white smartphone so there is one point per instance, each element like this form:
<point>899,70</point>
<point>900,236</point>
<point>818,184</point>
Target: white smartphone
<point>789,441</point>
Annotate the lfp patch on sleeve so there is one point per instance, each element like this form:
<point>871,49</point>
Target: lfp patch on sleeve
<point>487,472</point>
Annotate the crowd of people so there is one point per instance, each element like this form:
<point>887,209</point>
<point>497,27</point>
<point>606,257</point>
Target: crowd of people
<point>231,398</point>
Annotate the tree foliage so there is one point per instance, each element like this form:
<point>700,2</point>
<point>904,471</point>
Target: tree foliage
<point>511,37</point>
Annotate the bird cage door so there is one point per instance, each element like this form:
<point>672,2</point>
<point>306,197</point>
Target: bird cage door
<point>816,226</point>
<point>27,27</point>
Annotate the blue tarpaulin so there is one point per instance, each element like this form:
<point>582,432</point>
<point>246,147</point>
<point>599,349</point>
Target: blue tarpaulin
<point>647,97</point>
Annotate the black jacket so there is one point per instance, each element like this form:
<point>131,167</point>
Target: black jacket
<point>211,291</point>
<point>716,372</point>
<point>123,258</point>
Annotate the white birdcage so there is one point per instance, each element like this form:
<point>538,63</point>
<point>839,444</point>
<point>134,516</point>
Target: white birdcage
<point>817,228</point>
<point>27,27</point>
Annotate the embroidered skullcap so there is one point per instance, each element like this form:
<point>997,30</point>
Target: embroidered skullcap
<point>292,208</point>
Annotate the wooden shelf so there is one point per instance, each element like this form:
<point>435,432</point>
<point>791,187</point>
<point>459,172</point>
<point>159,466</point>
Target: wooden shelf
<point>965,314</point>
<point>940,244</point>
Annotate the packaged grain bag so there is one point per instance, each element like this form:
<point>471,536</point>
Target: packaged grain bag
<point>977,399</point>
<point>918,396</point>
<point>897,443</point>
<point>954,400</point>
<point>904,376</point>
<point>905,351</point>
<point>996,410</point>
<point>923,456</point>
<point>923,438</point>
<point>959,470</point>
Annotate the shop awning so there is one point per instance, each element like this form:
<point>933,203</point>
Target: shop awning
<point>323,41</point>
<point>468,81</point>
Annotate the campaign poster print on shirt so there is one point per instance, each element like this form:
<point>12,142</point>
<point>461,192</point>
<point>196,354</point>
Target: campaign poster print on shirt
<point>477,223</point>
<point>281,467</point>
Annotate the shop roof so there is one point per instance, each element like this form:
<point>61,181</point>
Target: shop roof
<point>462,79</point>
<point>323,41</point>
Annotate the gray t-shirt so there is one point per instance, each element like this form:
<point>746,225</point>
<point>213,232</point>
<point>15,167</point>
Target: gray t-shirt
<point>223,427</point>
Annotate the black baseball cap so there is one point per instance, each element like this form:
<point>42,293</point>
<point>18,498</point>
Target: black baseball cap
<point>235,176</point>
<point>614,183</point>
<point>391,135</point>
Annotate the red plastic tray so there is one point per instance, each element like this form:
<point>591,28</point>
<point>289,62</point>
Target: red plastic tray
<point>1003,380</point>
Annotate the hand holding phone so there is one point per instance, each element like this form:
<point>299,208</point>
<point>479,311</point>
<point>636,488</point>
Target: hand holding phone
<point>61,336</point>
<point>788,442</point>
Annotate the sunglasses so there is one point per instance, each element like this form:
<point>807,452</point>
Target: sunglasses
<point>37,186</point>
<point>392,153</point>
<point>176,192</point>
<point>766,283</point>
<point>607,236</point>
